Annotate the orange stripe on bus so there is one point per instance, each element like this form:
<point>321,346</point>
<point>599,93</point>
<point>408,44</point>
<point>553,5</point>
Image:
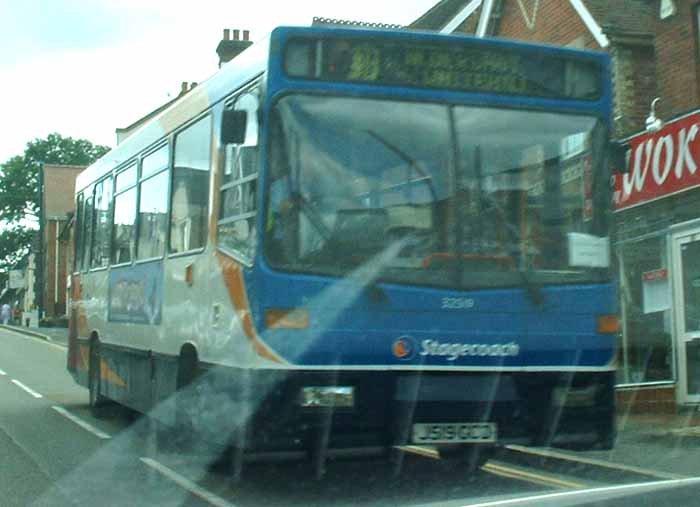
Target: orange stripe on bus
<point>111,376</point>
<point>236,289</point>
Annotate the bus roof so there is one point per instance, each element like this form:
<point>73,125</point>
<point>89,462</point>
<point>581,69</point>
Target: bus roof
<point>254,61</point>
<point>243,68</point>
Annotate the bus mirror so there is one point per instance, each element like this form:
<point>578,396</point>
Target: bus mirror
<point>233,126</point>
<point>618,157</point>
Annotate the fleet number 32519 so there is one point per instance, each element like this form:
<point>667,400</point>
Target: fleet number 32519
<point>457,303</point>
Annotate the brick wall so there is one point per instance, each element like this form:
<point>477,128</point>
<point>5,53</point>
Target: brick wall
<point>677,65</point>
<point>555,22</point>
<point>646,400</point>
<point>634,73</point>
<point>659,61</point>
<point>49,267</point>
<point>54,289</point>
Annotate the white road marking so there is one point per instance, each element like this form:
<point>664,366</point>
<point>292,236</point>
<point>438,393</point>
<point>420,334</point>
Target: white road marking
<point>591,495</point>
<point>2,373</point>
<point>187,484</point>
<point>27,389</point>
<point>83,424</point>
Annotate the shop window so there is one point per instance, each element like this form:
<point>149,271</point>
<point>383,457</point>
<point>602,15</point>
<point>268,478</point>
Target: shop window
<point>646,349</point>
<point>188,220</point>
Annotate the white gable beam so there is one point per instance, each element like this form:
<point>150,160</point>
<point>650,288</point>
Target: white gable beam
<point>484,19</point>
<point>590,23</point>
<point>467,11</point>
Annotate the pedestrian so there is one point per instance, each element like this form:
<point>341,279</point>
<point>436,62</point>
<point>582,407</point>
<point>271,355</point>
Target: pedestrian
<point>5,313</point>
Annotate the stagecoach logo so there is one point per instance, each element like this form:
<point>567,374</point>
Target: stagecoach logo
<point>404,348</point>
<point>453,351</point>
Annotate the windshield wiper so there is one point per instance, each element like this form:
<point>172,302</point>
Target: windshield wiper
<point>305,207</point>
<point>413,163</point>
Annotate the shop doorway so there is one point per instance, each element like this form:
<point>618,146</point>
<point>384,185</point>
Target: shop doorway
<point>686,308</point>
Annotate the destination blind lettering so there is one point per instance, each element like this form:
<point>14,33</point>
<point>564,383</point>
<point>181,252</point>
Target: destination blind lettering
<point>436,69</point>
<point>480,69</point>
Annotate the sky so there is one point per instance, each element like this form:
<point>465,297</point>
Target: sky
<point>83,68</point>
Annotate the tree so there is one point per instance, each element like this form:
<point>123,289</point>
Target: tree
<point>19,189</point>
<point>19,185</point>
<point>15,242</point>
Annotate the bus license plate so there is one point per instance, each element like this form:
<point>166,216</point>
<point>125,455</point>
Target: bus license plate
<point>448,433</point>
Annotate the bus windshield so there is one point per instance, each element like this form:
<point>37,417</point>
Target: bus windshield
<point>474,196</point>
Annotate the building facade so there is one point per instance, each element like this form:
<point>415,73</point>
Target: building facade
<point>654,47</point>
<point>57,208</point>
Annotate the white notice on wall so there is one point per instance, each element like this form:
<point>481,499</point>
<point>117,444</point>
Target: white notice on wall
<point>656,291</point>
<point>588,250</point>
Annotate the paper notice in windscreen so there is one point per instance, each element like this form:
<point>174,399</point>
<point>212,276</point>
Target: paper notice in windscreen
<point>656,291</point>
<point>589,251</point>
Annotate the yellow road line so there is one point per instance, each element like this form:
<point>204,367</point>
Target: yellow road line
<point>548,453</point>
<point>524,475</point>
<point>428,452</point>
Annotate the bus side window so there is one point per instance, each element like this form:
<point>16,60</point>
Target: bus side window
<point>88,223</point>
<point>102,219</point>
<point>190,193</point>
<point>239,186</point>
<point>79,219</point>
<point>153,204</point>
<point>124,231</point>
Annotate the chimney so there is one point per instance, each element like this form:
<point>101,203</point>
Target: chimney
<point>183,88</point>
<point>230,47</point>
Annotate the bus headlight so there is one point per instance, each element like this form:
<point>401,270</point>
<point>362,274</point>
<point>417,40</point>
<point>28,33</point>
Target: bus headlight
<point>327,396</point>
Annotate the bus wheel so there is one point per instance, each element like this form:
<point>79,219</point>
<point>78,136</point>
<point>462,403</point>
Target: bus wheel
<point>186,400</point>
<point>96,400</point>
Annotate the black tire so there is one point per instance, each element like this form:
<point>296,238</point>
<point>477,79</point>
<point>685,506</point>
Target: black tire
<point>96,400</point>
<point>184,431</point>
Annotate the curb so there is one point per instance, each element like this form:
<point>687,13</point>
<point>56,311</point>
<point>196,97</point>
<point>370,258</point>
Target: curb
<point>21,330</point>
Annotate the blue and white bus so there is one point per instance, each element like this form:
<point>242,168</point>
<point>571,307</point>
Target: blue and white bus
<point>363,241</point>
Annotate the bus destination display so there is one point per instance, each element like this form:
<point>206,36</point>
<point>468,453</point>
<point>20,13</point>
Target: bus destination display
<point>477,68</point>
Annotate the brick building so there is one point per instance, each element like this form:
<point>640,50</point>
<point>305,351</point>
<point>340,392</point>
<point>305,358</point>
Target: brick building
<point>57,206</point>
<point>654,47</point>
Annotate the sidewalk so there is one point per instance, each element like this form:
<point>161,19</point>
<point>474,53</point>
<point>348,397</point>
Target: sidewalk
<point>54,334</point>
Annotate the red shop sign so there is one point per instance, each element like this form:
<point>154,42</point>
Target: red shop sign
<point>660,164</point>
<point>657,274</point>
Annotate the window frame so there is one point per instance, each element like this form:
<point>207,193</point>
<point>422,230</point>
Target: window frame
<point>79,219</point>
<point>86,257</point>
<point>136,164</point>
<point>110,220</point>
<point>254,89</point>
<point>173,142</point>
<point>139,182</point>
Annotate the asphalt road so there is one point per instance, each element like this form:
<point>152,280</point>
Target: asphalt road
<point>54,453</point>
